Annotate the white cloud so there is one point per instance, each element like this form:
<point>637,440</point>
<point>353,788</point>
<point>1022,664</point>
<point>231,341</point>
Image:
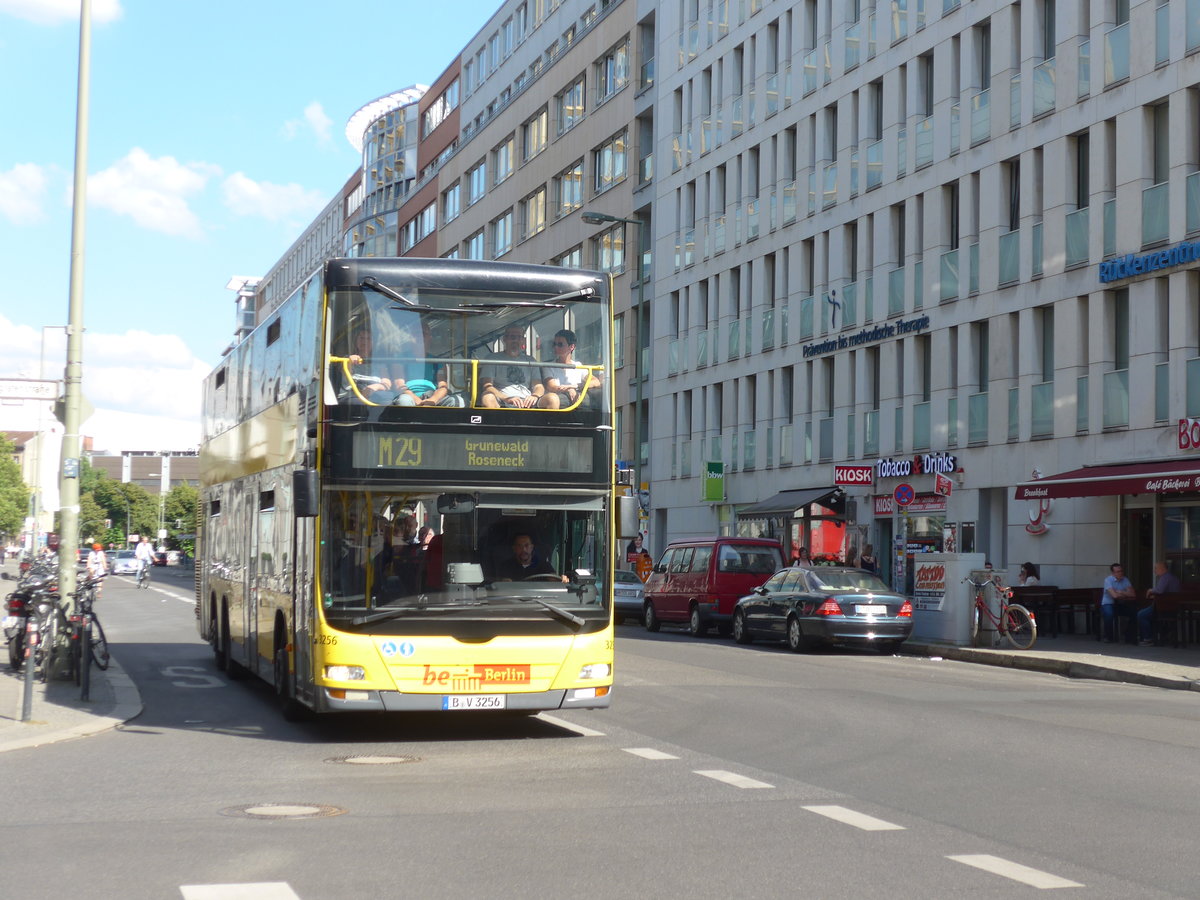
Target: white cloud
<point>145,388</point>
<point>313,118</point>
<point>22,189</point>
<point>55,12</point>
<point>153,192</point>
<point>273,202</point>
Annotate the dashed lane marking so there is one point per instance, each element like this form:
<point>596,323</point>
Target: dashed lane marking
<point>266,890</point>
<point>732,778</point>
<point>1017,872</point>
<point>857,819</point>
<point>582,730</point>
<point>649,753</point>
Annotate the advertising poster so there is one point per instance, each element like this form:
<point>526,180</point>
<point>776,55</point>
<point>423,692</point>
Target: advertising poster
<point>929,586</point>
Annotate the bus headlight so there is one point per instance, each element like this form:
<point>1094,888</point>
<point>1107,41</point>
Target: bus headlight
<point>594,671</point>
<point>345,673</point>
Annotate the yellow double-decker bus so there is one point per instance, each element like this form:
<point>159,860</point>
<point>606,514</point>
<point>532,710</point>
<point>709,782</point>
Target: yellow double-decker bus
<point>408,491</point>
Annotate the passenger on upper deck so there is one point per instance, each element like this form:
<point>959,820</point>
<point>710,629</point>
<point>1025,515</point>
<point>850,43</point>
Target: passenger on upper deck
<point>513,386</point>
<point>365,373</point>
<point>565,381</point>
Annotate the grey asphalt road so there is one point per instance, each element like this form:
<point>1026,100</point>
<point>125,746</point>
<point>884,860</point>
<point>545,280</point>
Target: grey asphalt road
<point>721,771</point>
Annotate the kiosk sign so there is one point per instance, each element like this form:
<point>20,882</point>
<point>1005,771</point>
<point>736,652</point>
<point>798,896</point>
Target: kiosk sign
<point>929,586</point>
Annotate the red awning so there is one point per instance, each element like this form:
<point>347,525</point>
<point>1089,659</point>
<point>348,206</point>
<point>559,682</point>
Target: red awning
<point>1167,477</point>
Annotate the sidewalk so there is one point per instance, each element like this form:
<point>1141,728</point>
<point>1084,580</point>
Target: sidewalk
<point>1082,656</point>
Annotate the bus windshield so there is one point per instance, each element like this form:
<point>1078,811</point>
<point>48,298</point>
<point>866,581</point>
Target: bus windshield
<point>398,558</point>
<point>401,344</point>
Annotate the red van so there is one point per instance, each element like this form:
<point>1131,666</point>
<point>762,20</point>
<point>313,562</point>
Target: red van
<point>699,580</point>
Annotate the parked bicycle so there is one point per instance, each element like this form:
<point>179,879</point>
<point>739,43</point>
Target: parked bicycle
<point>1015,622</point>
<point>89,643</point>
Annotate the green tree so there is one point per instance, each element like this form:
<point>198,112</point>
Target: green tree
<point>92,526</point>
<point>179,516</point>
<point>14,494</point>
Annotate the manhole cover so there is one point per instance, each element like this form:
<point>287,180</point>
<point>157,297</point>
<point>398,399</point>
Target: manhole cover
<point>283,811</point>
<point>373,760</point>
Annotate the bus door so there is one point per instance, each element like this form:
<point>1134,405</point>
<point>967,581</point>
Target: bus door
<point>303,581</point>
<point>253,578</point>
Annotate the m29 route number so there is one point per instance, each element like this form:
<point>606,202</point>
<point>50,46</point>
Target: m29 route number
<point>398,451</point>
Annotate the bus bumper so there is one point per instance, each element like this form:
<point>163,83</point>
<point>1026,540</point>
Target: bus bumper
<point>395,701</point>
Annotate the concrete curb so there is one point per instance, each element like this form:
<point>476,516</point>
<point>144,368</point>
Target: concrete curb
<point>1068,668</point>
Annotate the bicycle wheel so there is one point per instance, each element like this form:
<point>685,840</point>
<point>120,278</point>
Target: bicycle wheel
<point>975,615</point>
<point>1019,627</point>
<point>99,647</point>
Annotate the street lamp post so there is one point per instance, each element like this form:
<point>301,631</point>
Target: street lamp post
<point>599,218</point>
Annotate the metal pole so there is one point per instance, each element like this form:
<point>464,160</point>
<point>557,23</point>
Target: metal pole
<point>68,544</point>
<point>31,641</point>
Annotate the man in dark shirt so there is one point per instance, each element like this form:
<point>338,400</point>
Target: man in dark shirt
<point>1164,583</point>
<point>524,562</point>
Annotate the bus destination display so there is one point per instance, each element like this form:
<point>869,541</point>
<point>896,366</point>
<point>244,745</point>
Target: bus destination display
<point>376,450</point>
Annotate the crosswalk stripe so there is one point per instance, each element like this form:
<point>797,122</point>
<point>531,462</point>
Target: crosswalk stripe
<point>732,778</point>
<point>1017,872</point>
<point>857,819</point>
<point>266,890</point>
<point>571,726</point>
<point>649,753</point>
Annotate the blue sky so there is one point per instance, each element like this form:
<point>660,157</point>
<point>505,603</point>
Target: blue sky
<point>217,133</point>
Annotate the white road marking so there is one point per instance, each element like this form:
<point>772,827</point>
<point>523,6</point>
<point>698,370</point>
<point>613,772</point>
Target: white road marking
<point>649,753</point>
<point>857,819</point>
<point>266,890</point>
<point>1017,872</point>
<point>732,778</point>
<point>570,726</point>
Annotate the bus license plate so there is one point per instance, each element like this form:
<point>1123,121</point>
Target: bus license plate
<point>875,610</point>
<point>473,701</point>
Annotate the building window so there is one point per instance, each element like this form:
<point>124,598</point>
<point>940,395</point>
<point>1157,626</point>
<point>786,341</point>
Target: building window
<point>534,135</point>
<point>619,342</point>
<point>502,234</point>
<point>502,158</point>
<point>451,202</point>
<point>533,213</point>
<point>476,183</point>
<point>408,236</point>
<point>612,72</point>
<point>608,249</point>
<point>610,162</point>
<point>440,108</point>
<point>568,189</point>
<point>570,106</point>
<point>572,259</point>
<point>426,221</point>
<point>475,246</point>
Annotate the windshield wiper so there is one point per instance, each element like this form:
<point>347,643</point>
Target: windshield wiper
<point>556,302</point>
<point>557,610</point>
<point>391,293</point>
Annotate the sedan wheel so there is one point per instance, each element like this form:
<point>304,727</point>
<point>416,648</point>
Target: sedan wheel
<point>795,636</point>
<point>741,633</point>
<point>650,619</point>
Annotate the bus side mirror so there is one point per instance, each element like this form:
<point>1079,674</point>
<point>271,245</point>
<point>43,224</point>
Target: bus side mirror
<point>305,493</point>
<point>627,517</point>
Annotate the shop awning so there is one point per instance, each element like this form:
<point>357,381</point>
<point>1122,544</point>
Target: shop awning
<point>787,502</point>
<point>1171,476</point>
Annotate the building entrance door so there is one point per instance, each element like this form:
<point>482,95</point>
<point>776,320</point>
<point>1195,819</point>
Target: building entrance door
<point>1137,548</point>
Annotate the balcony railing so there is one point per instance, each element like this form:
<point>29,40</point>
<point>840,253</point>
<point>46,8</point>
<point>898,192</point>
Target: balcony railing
<point>1035,244</point>
<point>902,151</point>
<point>924,139</point>
<point>853,173</point>
<point>874,164</point>
<point>853,44</point>
<point>918,284</point>
<point>1162,392</point>
<point>829,191</point>
<point>871,432</point>
<point>1155,213</point>
<point>921,426</point>
<point>673,357</point>
<point>1010,257</point>
<point>806,317</point>
<point>786,443</point>
<point>1083,85</point>
<point>896,291</point>
<point>973,276</point>
<point>1081,405</point>
<point>768,329</point>
<point>977,418</point>
<point>1043,88</point>
<point>749,449</point>
<point>1077,237</point>
<point>1041,419</point>
<point>1014,101</point>
<point>812,193</point>
<point>1116,399</point>
<point>1116,55</point>
<point>735,340</point>
<point>899,20</point>
<point>981,118</point>
<point>849,304</point>
<point>1110,227</point>
<point>955,129</point>
<point>948,279</point>
<point>789,203</point>
<point>772,93</point>
<point>810,72</point>
<point>869,299</point>
<point>647,74</point>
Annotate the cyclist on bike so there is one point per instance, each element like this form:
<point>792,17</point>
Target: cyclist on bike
<point>145,557</point>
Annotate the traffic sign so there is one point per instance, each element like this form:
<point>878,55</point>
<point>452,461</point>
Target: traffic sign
<point>27,389</point>
<point>904,494</point>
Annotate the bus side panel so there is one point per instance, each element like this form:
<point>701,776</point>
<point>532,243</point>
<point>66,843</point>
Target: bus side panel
<point>303,583</point>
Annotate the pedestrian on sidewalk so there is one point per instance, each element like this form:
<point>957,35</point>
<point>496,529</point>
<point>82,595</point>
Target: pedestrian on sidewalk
<point>1164,583</point>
